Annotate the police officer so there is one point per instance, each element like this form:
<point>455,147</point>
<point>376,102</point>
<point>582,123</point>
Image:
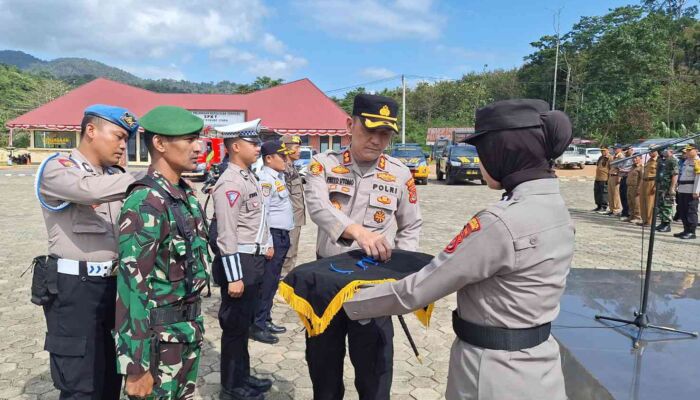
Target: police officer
<point>614,185</point>
<point>80,195</point>
<point>243,242</point>
<point>508,264</point>
<point>688,193</point>
<point>280,218</point>
<point>648,189</point>
<point>667,188</point>
<point>162,264</point>
<point>600,186</point>
<point>296,195</point>
<point>360,198</point>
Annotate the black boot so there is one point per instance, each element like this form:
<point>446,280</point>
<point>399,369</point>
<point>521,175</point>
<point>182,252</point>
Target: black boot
<point>260,384</point>
<point>263,336</point>
<point>664,227</point>
<point>688,235</point>
<point>240,393</point>
<point>596,209</point>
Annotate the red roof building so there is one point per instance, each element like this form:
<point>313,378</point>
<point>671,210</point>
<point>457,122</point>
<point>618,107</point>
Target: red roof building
<point>297,107</point>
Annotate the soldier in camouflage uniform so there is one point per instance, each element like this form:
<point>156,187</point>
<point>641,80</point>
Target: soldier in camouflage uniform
<point>162,268</point>
<point>667,190</point>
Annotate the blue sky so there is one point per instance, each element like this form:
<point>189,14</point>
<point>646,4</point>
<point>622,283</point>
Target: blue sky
<point>335,43</point>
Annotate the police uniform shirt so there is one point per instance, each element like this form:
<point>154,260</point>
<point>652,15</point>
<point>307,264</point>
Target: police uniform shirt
<point>86,230</point>
<point>240,216</point>
<point>689,179</point>
<point>296,194</point>
<point>382,199</point>
<point>276,195</point>
<point>508,266</point>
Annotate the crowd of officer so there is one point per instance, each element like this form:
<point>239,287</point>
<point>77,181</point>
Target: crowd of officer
<point>129,252</point>
<point>628,185</point>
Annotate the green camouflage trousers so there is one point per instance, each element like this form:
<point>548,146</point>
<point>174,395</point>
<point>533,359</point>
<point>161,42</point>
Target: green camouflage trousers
<point>177,371</point>
<point>666,206</point>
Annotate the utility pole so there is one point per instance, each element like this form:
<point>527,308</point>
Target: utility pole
<point>556,64</point>
<point>403,110</point>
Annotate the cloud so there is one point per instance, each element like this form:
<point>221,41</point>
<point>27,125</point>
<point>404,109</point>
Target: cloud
<point>281,67</point>
<point>154,72</point>
<point>378,73</point>
<point>134,32</point>
<point>374,20</point>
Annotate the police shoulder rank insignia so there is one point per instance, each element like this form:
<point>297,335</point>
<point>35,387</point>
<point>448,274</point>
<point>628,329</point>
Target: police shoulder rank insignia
<point>266,189</point>
<point>472,226</point>
<point>67,162</point>
<point>384,200</point>
<point>347,159</point>
<point>232,197</point>
<point>382,162</point>
<point>412,192</point>
<point>386,177</point>
<point>340,169</point>
<point>697,167</point>
<point>316,168</point>
<point>379,216</point>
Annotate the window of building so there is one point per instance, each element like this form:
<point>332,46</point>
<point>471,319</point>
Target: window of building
<point>336,142</point>
<point>144,150</point>
<point>304,140</point>
<point>55,140</point>
<point>131,147</point>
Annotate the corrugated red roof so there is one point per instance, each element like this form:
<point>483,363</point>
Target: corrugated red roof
<point>298,106</point>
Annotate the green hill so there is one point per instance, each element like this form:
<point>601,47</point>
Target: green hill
<point>78,67</point>
<point>19,59</point>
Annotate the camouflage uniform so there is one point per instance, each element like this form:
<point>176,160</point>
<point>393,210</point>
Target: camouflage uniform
<point>666,199</point>
<point>151,275</point>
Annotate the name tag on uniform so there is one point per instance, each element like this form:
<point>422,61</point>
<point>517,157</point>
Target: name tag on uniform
<point>385,188</point>
<point>340,181</point>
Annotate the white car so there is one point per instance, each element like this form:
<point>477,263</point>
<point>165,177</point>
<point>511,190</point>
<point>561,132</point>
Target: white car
<point>572,157</point>
<point>592,155</point>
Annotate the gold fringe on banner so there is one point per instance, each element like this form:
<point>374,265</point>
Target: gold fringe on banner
<point>316,325</point>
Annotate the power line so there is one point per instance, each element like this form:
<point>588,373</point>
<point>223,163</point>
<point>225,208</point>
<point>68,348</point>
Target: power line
<point>389,79</point>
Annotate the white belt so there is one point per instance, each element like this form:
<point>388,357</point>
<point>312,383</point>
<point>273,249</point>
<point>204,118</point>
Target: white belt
<point>252,249</point>
<point>72,267</point>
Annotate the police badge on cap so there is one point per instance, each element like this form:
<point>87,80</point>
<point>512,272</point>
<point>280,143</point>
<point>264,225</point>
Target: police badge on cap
<point>376,111</point>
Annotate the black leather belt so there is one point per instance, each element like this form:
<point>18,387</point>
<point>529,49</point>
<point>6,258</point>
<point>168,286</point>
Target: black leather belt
<point>168,315</point>
<point>495,338</point>
<point>686,182</point>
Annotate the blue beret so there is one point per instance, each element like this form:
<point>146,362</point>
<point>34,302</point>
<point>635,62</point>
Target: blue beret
<point>117,115</point>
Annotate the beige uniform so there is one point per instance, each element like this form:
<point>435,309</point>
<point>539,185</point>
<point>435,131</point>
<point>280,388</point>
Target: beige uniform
<point>240,219</point>
<point>296,190</point>
<point>648,191</point>
<point>614,186</point>
<point>634,182</point>
<point>86,230</point>
<point>508,266</point>
<point>383,199</point>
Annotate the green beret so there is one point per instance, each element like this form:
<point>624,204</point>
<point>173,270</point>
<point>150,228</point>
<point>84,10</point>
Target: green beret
<point>171,121</point>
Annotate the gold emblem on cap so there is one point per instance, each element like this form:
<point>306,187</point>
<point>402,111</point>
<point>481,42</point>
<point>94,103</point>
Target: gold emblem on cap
<point>384,111</point>
<point>128,119</point>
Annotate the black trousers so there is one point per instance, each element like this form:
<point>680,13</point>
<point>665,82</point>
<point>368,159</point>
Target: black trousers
<point>600,193</point>
<point>271,276</point>
<point>623,197</point>
<point>371,353</point>
<point>235,318</point>
<point>79,339</point>
<point>688,211</point>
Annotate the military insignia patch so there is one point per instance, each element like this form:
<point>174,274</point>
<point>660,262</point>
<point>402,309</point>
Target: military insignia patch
<point>379,217</point>
<point>266,189</point>
<point>384,111</point>
<point>345,189</point>
<point>384,200</point>
<point>346,157</point>
<point>412,192</point>
<point>316,168</point>
<point>386,177</point>
<point>129,120</point>
<point>281,187</point>
<point>340,169</point>
<point>336,204</point>
<point>67,163</point>
<point>232,197</point>
<point>332,187</point>
<point>382,162</point>
<point>472,226</point>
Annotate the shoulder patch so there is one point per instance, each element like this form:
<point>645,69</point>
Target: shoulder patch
<point>412,191</point>
<point>68,163</point>
<point>472,226</point>
<point>316,168</point>
<point>232,197</point>
<point>266,188</point>
<point>697,167</point>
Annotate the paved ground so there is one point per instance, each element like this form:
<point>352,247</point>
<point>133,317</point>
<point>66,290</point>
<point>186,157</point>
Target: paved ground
<point>601,243</point>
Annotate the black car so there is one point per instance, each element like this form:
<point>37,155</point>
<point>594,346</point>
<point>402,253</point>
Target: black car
<point>459,162</point>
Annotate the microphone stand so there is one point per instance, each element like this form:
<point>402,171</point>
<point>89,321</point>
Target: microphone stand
<point>641,320</point>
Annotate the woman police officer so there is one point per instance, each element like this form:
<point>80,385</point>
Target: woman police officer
<point>508,264</point>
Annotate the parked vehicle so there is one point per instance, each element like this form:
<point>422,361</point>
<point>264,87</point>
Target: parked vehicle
<point>459,162</point>
<point>412,156</point>
<point>592,155</point>
<point>574,156</point>
<point>302,164</point>
<point>213,152</point>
